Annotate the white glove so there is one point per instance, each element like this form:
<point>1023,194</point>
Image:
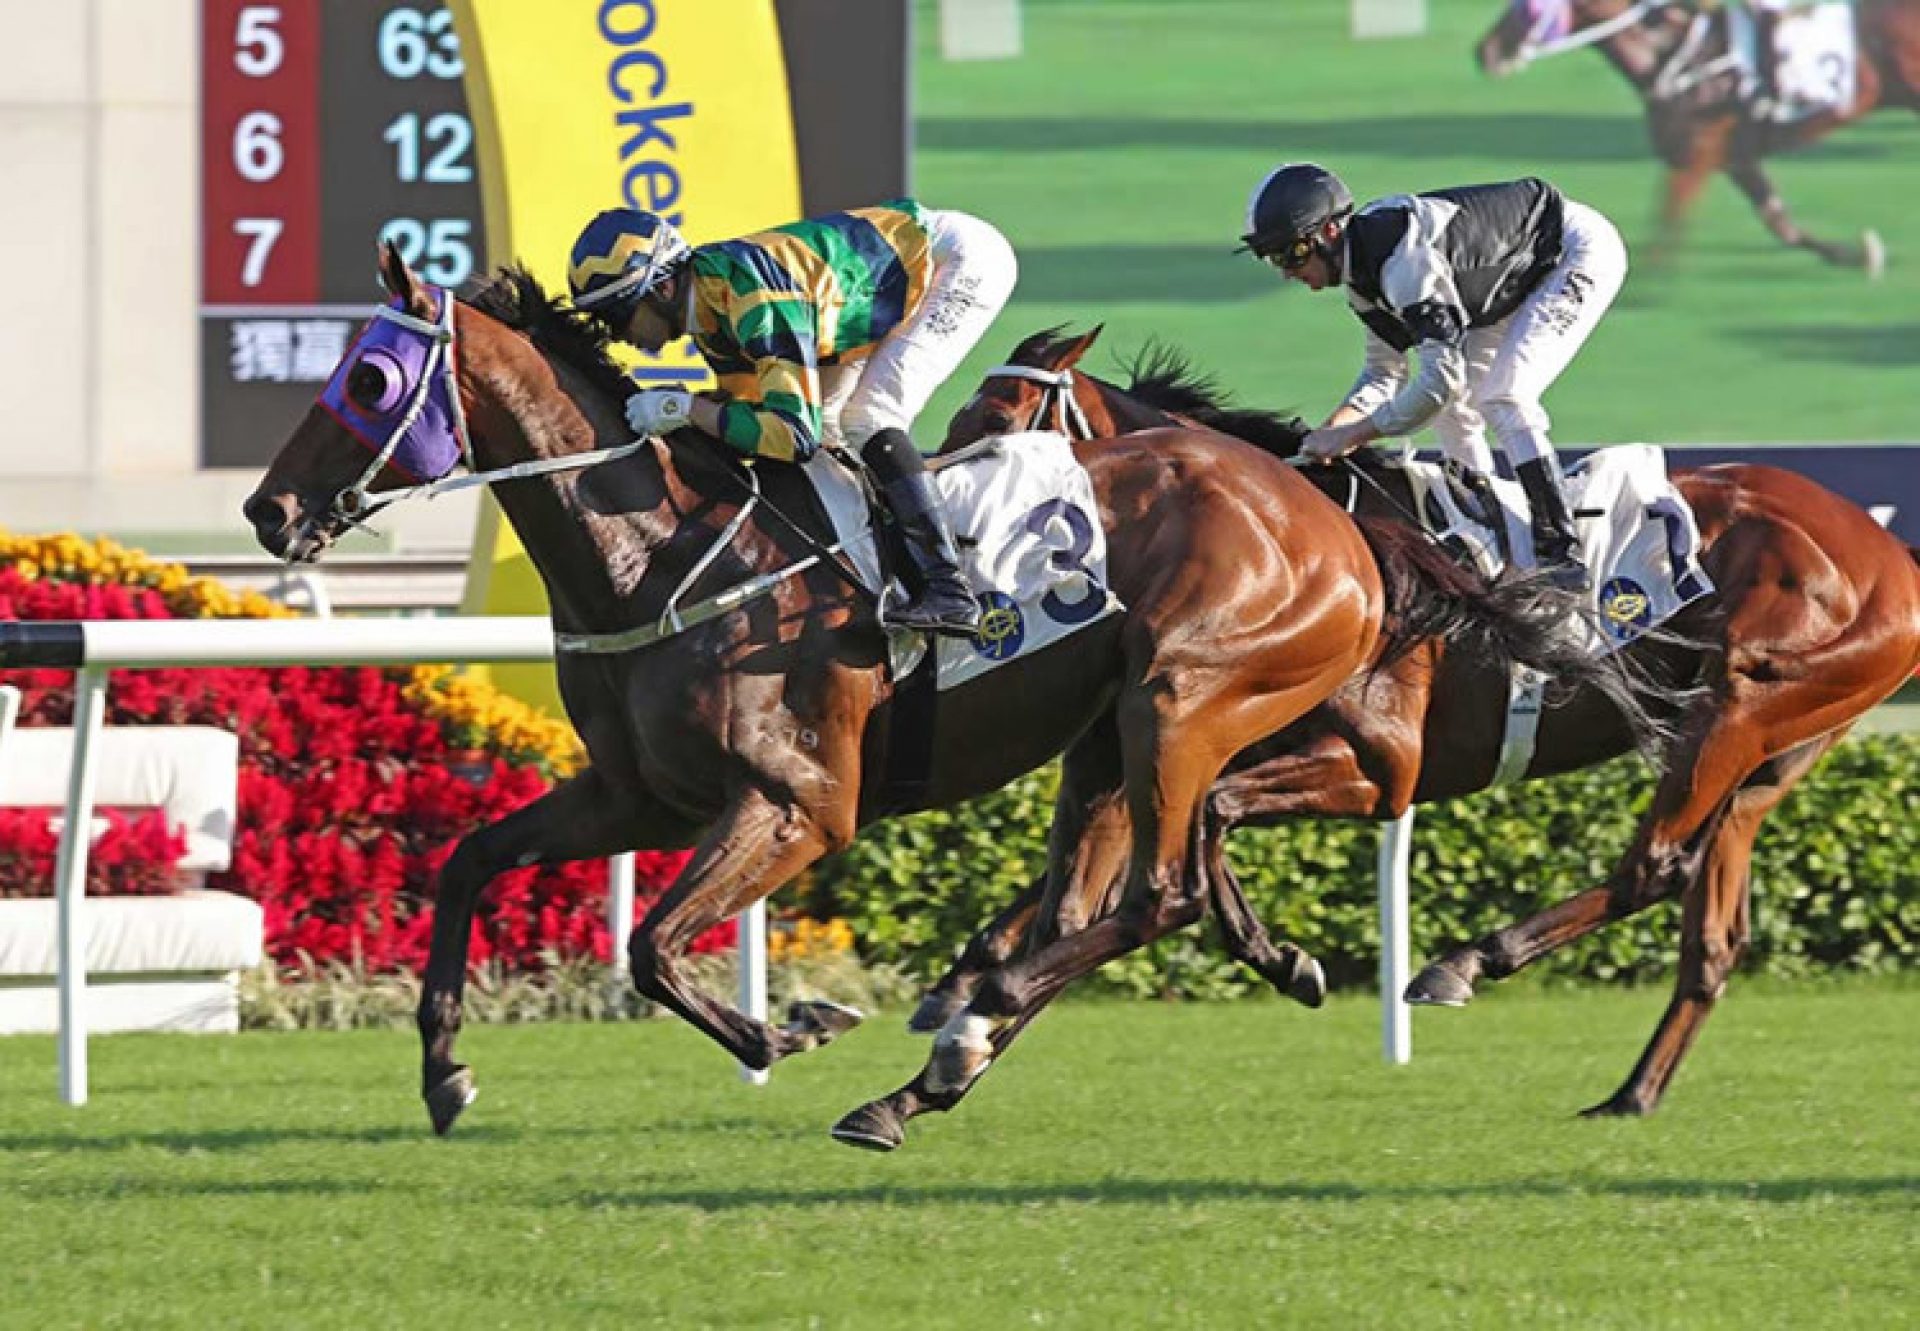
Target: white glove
<point>658,410</point>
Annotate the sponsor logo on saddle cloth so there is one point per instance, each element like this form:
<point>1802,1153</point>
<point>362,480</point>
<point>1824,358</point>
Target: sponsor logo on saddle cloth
<point>1031,546</point>
<point>1638,540</point>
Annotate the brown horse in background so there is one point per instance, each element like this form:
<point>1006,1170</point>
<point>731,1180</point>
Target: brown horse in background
<point>1816,619</point>
<point>1082,912</point>
<point>1700,128</point>
<point>761,733</point>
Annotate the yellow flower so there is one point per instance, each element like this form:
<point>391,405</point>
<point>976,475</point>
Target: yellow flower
<point>459,702</point>
<point>795,940</point>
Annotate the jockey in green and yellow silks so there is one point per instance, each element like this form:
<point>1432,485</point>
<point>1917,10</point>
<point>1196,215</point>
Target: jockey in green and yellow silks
<point>836,329</point>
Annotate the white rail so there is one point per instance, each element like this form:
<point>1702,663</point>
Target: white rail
<point>95,648</point>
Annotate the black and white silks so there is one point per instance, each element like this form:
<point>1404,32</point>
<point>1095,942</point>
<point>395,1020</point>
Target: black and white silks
<point>1424,270</point>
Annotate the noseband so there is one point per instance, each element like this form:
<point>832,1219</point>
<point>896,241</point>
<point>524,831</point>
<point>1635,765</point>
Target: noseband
<point>355,504</point>
<point>429,436</point>
<point>1056,400</point>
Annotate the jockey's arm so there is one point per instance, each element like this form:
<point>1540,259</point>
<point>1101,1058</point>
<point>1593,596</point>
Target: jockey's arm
<point>1381,376</point>
<point>1442,378</point>
<point>1418,283</point>
<point>771,410</point>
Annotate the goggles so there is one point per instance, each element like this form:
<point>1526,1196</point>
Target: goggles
<point>1291,257</point>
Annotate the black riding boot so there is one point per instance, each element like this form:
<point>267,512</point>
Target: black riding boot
<point>1556,543</point>
<point>944,604</point>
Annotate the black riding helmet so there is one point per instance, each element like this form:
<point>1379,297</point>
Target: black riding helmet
<point>1288,209</point>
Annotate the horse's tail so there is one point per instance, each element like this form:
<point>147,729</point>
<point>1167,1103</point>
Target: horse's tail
<point>1515,619</point>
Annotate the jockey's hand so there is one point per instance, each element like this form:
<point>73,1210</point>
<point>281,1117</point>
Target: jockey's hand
<point>658,410</point>
<point>1330,443</point>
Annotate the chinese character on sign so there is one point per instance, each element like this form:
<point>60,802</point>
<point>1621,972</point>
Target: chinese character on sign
<point>262,349</point>
<point>318,345</point>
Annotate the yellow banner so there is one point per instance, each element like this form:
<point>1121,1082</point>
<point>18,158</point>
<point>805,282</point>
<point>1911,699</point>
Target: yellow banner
<point>676,106</point>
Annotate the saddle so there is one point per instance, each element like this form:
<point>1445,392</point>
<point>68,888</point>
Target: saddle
<point>1638,538</point>
<point>1784,66</point>
<point>1030,543</point>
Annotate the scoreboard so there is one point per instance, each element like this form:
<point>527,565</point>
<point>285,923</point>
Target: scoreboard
<point>326,126</point>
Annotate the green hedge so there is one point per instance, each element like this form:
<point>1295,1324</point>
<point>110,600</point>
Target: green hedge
<point>1835,874</point>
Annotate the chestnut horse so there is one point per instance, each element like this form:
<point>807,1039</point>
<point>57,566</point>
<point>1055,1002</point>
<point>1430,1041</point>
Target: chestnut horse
<point>1816,619</point>
<point>1700,125</point>
<point>729,679</point>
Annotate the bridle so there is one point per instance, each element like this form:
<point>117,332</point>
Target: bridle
<point>356,503</point>
<point>1678,71</point>
<point>1537,46</point>
<point>436,383</point>
<point>1056,400</point>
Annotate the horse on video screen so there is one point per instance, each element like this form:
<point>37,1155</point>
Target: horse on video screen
<point>1816,619</point>
<point>1676,55</point>
<point>728,675</point>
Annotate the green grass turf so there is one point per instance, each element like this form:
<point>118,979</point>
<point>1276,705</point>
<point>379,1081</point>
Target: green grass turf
<point>1126,1166</point>
<point>1118,153</point>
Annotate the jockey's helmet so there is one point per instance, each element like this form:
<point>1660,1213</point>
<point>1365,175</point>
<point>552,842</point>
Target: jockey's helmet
<point>622,255</point>
<point>1288,207</point>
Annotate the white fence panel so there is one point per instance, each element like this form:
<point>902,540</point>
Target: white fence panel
<point>95,648</point>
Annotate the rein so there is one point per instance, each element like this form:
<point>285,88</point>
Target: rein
<point>1679,72</point>
<point>1532,49</point>
<point>1058,399</point>
<point>355,504</point>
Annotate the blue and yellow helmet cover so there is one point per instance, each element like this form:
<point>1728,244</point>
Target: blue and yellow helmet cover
<point>620,256</point>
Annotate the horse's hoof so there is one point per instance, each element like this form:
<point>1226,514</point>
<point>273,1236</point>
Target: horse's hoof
<point>1617,1106</point>
<point>874,1126</point>
<point>1873,255</point>
<point>935,1011</point>
<point>444,1102</point>
<point>818,1022</point>
<point>1439,985</point>
<point>1307,984</point>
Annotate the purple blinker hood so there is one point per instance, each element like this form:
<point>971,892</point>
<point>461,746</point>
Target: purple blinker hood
<point>415,395</point>
<point>1547,20</point>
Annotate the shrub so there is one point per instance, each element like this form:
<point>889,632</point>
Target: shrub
<point>1835,873</point>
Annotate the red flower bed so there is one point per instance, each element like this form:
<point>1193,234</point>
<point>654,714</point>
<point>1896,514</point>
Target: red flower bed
<point>346,805</point>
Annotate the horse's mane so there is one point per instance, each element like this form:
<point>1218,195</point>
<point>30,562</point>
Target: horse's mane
<point>515,298</point>
<point>1429,593</point>
<point>1165,377</point>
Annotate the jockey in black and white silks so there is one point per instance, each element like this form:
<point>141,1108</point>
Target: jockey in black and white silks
<point>1492,288</point>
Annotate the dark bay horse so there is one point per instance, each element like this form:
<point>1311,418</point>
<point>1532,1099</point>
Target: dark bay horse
<point>761,733</point>
<point>1816,619</point>
<point>1700,126</point>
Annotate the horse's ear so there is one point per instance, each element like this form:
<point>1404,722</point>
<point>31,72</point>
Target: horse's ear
<point>1077,348</point>
<point>402,283</point>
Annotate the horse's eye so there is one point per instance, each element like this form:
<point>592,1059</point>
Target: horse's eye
<point>366,386</point>
<point>999,421</point>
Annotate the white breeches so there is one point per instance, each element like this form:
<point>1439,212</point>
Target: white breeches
<point>1511,364</point>
<point>974,270</point>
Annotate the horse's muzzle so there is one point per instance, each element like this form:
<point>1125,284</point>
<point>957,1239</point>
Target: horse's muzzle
<point>276,522</point>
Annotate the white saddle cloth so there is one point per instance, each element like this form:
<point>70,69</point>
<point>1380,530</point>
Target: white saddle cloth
<point>1638,538</point>
<point>1814,61</point>
<point>1031,547</point>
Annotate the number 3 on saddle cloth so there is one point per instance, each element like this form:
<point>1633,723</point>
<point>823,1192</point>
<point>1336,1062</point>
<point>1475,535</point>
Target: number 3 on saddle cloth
<point>1030,542</point>
<point>1812,66</point>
